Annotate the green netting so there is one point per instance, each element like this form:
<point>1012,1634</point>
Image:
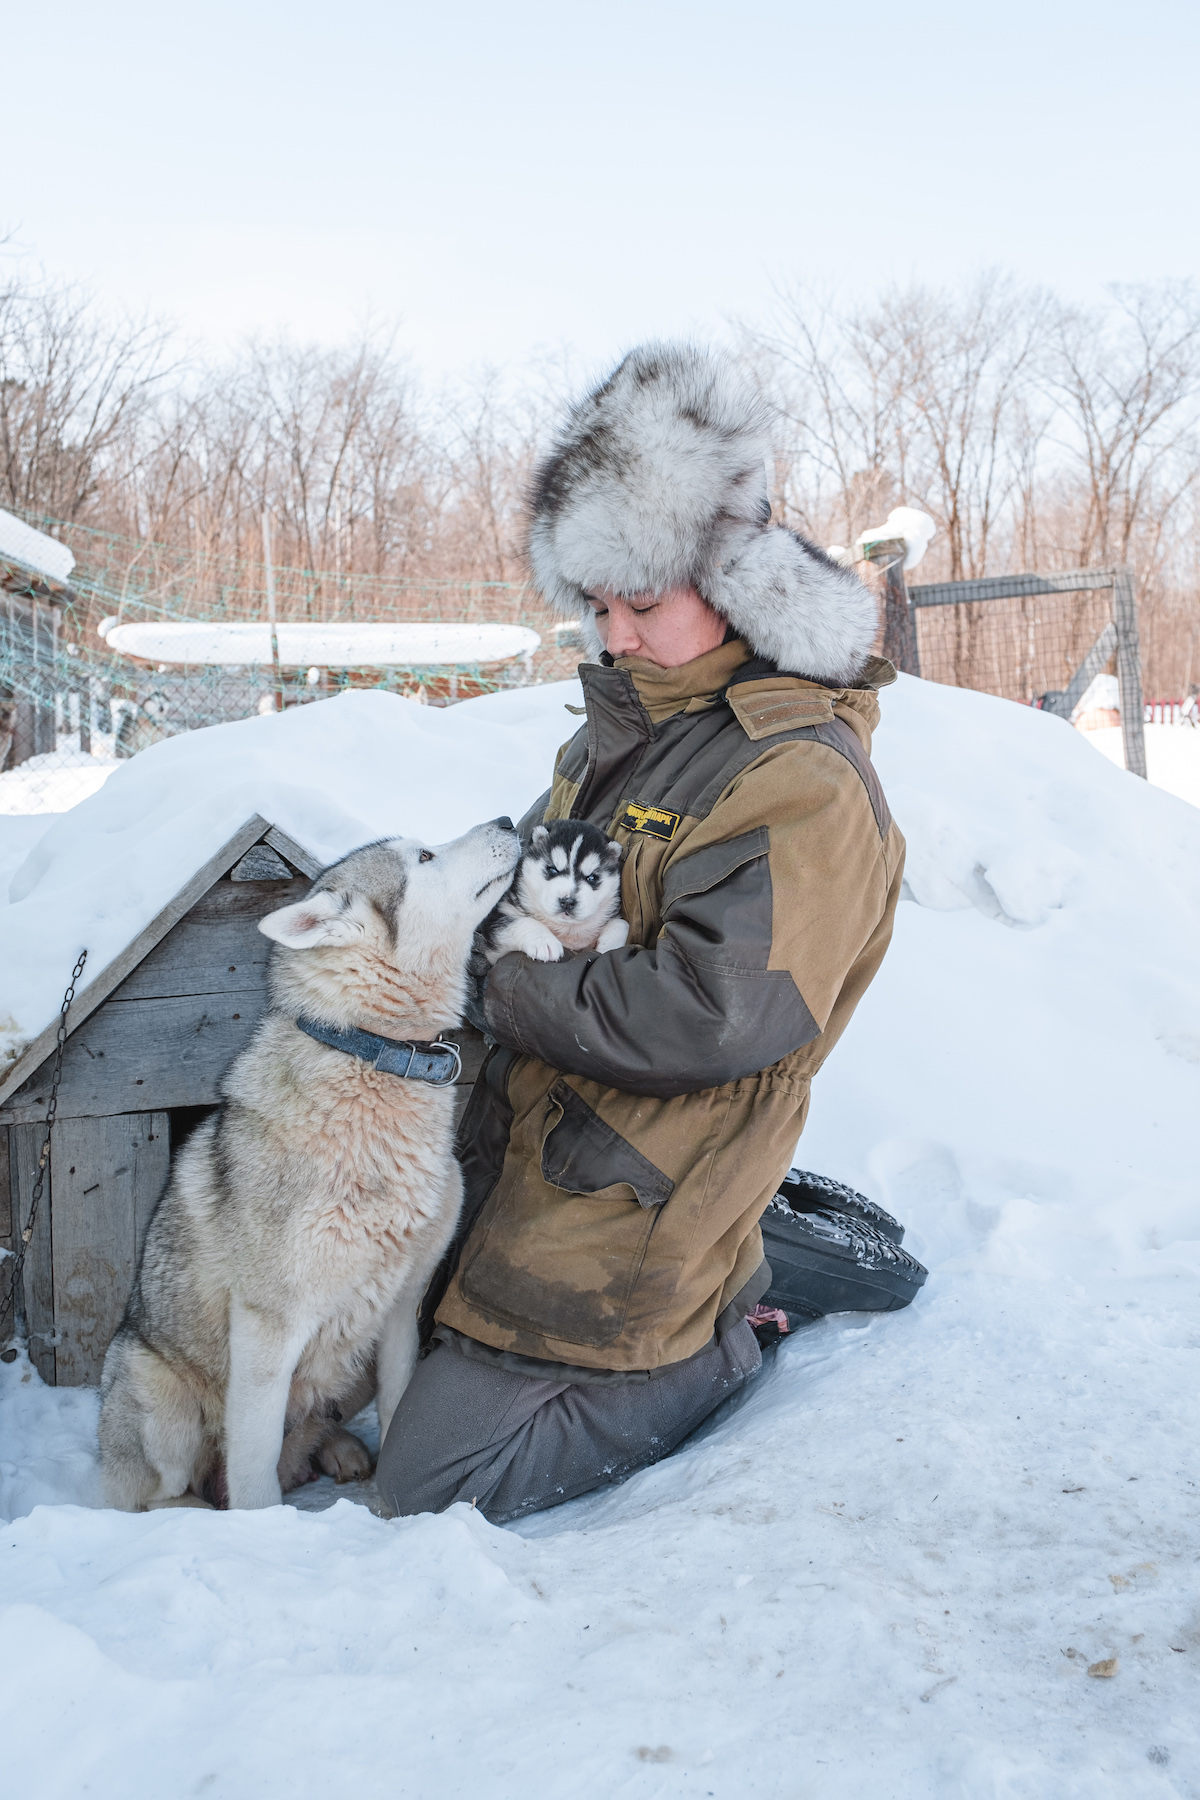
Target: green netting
<point>71,707</point>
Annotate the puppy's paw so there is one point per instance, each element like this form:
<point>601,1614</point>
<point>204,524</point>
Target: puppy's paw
<point>614,936</point>
<point>345,1457</point>
<point>536,941</point>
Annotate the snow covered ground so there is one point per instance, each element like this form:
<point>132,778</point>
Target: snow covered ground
<point>888,1568</point>
<point>53,782</point>
<point>1172,756</point>
<point>18,835</point>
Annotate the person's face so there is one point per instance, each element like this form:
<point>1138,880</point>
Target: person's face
<point>670,629</point>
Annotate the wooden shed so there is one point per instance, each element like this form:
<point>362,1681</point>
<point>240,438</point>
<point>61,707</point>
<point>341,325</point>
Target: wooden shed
<point>149,1039</point>
<point>31,609</point>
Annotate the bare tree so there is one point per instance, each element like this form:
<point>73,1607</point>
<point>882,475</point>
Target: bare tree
<point>965,369</point>
<point>1127,384</point>
<point>1038,435</point>
<point>840,391</point>
<point>74,388</point>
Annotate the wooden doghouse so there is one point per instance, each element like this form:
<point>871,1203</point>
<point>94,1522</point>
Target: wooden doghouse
<point>149,1039</point>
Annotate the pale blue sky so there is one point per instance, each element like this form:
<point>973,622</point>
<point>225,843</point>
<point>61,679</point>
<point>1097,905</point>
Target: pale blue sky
<point>500,178</point>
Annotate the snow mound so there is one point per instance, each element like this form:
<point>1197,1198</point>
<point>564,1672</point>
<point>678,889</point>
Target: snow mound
<point>1172,756</point>
<point>34,548</point>
<point>1103,694</point>
<point>335,774</point>
<point>916,528</point>
<point>52,782</point>
<point>888,1567</point>
<point>326,646</point>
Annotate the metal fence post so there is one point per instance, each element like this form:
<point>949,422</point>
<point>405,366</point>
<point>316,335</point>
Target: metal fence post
<point>899,622</point>
<point>1129,672</point>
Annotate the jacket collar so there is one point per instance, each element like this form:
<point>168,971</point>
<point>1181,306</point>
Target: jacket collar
<point>692,686</point>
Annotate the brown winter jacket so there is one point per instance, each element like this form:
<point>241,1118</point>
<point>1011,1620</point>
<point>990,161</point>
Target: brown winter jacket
<point>619,1152</point>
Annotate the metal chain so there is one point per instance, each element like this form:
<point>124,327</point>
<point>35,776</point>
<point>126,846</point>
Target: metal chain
<point>10,1299</point>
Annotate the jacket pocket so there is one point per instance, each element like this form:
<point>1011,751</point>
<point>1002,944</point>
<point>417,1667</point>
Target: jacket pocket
<point>560,1245</point>
<point>707,868</point>
<point>582,1154</point>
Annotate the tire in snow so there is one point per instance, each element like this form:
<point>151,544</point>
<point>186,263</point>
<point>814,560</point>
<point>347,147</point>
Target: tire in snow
<point>833,1250</point>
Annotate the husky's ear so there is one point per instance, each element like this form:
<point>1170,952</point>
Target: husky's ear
<point>539,840</point>
<point>321,919</point>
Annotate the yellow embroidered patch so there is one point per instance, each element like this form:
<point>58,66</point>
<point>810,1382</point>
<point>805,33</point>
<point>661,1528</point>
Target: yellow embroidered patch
<point>651,821</point>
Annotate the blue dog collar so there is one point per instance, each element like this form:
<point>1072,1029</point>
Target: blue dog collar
<point>413,1060</point>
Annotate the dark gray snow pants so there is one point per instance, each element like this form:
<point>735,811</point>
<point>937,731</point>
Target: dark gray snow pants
<point>471,1430</point>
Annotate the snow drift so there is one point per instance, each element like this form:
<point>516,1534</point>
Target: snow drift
<point>886,1569</point>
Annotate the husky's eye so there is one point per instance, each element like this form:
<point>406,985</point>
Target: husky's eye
<point>425,856</point>
<point>550,871</point>
<point>592,880</point>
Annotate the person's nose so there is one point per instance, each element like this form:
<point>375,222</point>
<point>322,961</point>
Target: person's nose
<point>624,639</point>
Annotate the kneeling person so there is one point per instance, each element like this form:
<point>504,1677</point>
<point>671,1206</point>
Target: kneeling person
<point>641,1106</point>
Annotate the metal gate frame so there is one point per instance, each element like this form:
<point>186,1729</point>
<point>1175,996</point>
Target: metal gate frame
<point>1120,634</point>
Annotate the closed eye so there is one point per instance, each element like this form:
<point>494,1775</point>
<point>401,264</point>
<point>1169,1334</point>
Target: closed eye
<point>425,856</point>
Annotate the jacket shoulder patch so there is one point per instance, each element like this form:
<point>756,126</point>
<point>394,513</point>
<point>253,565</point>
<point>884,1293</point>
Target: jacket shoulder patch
<point>762,709</point>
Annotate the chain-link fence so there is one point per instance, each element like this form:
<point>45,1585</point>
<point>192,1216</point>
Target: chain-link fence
<point>1043,639</point>
<point>76,699</point>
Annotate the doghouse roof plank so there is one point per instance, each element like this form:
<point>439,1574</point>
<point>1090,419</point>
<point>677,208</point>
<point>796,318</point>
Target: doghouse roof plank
<point>254,831</point>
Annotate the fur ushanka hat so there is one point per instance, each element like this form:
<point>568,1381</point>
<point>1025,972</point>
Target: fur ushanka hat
<point>658,477</point>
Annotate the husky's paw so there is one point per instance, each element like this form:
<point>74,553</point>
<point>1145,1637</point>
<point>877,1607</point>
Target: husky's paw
<point>534,940</point>
<point>180,1500</point>
<point>345,1457</point>
<point>614,936</point>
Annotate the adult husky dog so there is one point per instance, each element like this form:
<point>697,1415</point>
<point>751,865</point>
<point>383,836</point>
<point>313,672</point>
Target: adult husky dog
<point>285,1262</point>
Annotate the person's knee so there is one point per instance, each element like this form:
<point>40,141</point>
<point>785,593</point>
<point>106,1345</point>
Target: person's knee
<point>399,1499</point>
<point>410,1475</point>
<point>405,1479</point>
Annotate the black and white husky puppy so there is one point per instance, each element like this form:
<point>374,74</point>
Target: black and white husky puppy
<point>566,895</point>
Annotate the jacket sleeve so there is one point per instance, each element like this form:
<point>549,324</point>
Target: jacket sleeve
<point>766,907</point>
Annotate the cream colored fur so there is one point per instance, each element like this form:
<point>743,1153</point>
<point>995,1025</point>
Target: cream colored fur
<point>283,1268</point>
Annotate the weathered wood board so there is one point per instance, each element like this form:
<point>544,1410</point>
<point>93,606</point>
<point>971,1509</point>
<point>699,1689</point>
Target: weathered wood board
<point>25,1147</point>
<point>108,1175</point>
<point>217,948</point>
<point>150,1055</point>
<point>101,985</point>
<point>170,1030</point>
<point>6,1210</point>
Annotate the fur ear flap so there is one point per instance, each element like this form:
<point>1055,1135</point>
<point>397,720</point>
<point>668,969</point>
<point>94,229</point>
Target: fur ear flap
<point>311,923</point>
<point>540,838</point>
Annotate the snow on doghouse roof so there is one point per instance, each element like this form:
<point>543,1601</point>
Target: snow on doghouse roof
<point>33,549</point>
<point>332,775</point>
<point>339,646</point>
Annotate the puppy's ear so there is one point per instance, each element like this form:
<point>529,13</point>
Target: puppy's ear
<point>311,923</point>
<point>539,840</point>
